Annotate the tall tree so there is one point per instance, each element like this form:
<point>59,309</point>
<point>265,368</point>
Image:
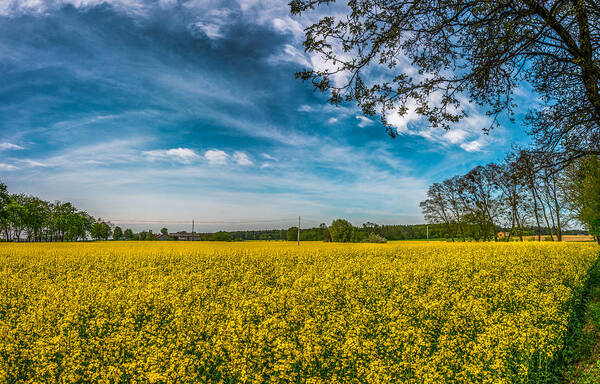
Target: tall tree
<point>341,231</point>
<point>431,56</point>
<point>117,233</point>
<point>16,215</point>
<point>582,184</point>
<point>479,199</point>
<point>512,194</point>
<point>4,202</point>
<point>526,168</point>
<point>436,209</point>
<point>452,193</point>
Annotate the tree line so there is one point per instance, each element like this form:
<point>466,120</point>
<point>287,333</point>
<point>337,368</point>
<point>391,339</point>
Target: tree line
<point>525,190</point>
<point>341,230</point>
<point>26,217</point>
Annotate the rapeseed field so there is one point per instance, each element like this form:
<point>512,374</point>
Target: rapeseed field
<point>260,312</point>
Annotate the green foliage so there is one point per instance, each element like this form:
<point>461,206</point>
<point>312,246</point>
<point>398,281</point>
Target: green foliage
<point>38,220</point>
<point>582,353</point>
<point>117,233</point>
<point>582,182</point>
<point>326,235</point>
<point>592,376</point>
<point>342,231</point>
<point>292,234</point>
<point>221,236</point>
<point>101,230</point>
<point>128,234</point>
<point>375,238</point>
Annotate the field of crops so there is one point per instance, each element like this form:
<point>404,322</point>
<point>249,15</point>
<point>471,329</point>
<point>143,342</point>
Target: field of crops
<point>261,312</point>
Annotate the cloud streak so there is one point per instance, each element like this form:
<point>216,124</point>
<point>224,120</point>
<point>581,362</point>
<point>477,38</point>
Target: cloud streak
<point>5,145</point>
<point>181,155</point>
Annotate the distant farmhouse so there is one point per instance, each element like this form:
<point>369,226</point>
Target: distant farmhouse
<point>184,236</point>
<point>162,236</point>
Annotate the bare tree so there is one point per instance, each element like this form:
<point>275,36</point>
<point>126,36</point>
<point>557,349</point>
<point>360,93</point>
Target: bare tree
<point>436,208</point>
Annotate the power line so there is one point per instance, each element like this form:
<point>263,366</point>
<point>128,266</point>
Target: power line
<point>141,221</point>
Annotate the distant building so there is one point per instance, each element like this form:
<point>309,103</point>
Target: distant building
<point>162,236</point>
<point>185,236</point>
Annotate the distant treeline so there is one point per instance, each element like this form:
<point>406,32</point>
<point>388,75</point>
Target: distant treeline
<point>359,234</point>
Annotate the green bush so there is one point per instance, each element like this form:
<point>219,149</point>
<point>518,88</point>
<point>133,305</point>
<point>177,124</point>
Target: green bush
<point>342,231</point>
<point>375,238</point>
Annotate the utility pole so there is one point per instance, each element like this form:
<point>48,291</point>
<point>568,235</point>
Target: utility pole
<point>298,230</point>
<point>192,226</point>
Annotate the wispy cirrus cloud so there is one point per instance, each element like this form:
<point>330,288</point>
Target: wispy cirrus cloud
<point>211,23</point>
<point>241,158</point>
<point>364,121</point>
<point>6,145</point>
<point>290,54</point>
<point>7,167</point>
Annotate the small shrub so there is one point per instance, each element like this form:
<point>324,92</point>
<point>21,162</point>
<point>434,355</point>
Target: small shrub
<point>375,238</point>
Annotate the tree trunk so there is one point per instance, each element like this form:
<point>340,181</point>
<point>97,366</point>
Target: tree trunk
<point>519,226</point>
<point>546,219</point>
<point>556,209</point>
<point>535,210</point>
<point>512,225</point>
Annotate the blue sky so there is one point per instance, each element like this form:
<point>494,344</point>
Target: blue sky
<point>178,110</point>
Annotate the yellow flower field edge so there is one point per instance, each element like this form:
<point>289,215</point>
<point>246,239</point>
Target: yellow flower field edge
<point>563,364</point>
<point>261,312</point>
<point>582,352</point>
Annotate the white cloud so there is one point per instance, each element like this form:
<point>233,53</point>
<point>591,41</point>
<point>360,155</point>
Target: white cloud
<point>241,158</point>
<point>15,7</point>
<point>34,163</point>
<point>216,156</point>
<point>472,146</point>
<point>211,30</point>
<point>455,136</point>
<point>467,133</point>
<point>6,145</point>
<point>305,108</point>
<point>338,76</point>
<point>269,157</point>
<point>287,24</point>
<point>364,121</point>
<point>332,120</point>
<point>7,167</point>
<point>290,54</point>
<point>401,122</point>
<point>181,155</point>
